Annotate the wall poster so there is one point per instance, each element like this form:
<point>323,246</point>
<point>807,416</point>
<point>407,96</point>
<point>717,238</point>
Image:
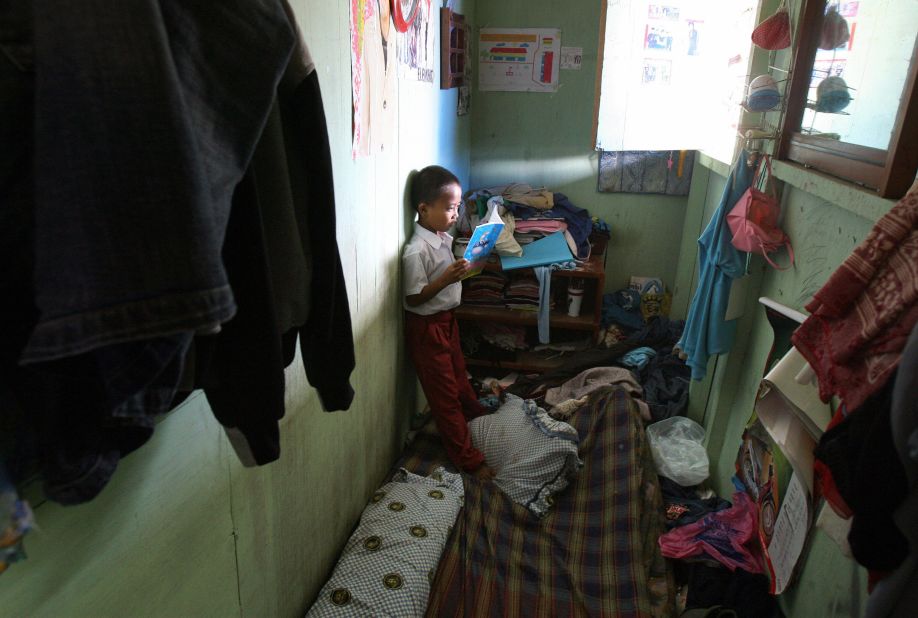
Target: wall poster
<point>373,75</point>
<point>519,59</point>
<point>415,47</point>
<point>571,58</point>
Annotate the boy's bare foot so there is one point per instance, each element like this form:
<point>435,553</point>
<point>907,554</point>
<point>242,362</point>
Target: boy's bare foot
<point>484,473</point>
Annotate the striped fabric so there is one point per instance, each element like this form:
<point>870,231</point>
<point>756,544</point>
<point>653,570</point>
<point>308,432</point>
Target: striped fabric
<point>594,554</point>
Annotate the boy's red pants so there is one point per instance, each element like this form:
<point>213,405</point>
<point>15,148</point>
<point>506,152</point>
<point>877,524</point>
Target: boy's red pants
<point>433,346</point>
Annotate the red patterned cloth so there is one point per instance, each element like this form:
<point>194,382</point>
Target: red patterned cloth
<point>862,316</point>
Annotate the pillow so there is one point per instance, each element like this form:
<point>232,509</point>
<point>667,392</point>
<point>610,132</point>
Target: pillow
<point>533,455</point>
<point>390,560</point>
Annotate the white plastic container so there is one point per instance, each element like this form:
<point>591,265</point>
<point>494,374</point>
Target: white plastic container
<point>574,300</point>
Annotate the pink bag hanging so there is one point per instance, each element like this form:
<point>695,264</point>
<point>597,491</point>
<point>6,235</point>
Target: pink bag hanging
<point>754,221</point>
<point>834,31</point>
<point>774,32</point>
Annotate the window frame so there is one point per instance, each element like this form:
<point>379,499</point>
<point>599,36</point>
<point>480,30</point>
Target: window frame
<point>891,171</point>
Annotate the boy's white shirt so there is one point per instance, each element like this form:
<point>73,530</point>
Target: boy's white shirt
<point>427,255</point>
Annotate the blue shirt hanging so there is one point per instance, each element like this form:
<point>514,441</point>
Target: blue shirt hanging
<point>719,263</point>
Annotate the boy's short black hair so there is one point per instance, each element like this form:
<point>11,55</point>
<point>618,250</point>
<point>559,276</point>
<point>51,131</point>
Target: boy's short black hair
<point>430,183</point>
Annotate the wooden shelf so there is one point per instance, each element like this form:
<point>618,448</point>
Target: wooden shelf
<point>525,361</point>
<point>592,271</point>
<point>520,317</point>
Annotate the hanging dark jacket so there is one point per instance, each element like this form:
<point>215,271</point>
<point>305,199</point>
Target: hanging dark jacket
<point>281,256</point>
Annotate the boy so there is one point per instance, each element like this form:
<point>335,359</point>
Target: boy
<point>432,291</point>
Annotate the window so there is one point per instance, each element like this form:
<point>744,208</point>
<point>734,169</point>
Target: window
<point>672,74</point>
<point>852,110</point>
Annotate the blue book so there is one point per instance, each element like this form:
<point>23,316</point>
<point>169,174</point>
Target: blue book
<point>548,250</point>
<point>482,243</point>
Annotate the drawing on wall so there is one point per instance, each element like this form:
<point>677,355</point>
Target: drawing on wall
<point>694,29</point>
<point>404,12</point>
<point>659,11</point>
<point>519,59</point>
<point>358,17</point>
<point>657,37</point>
<point>657,71</point>
<point>373,76</point>
<point>416,47</point>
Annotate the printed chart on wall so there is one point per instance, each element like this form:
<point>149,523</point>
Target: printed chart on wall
<point>519,59</point>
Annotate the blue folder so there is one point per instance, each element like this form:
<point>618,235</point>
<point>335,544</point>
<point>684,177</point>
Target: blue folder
<point>548,250</point>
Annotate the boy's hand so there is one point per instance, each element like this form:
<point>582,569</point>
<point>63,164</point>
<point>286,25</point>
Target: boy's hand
<point>453,274</point>
<point>455,271</point>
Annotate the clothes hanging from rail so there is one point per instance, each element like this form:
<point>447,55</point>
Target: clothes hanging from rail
<point>136,166</point>
<point>862,316</point>
<point>860,340</point>
<point>897,593</point>
<point>284,267</point>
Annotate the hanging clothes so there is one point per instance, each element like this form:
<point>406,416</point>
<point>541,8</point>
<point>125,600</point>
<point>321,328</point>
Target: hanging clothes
<point>857,341</point>
<point>719,263</point>
<point>127,163</point>
<point>862,316</point>
<point>543,274</point>
<point>131,125</point>
<point>282,258</point>
<point>137,161</point>
<point>897,593</point>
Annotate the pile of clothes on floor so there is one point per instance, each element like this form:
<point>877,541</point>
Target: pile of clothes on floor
<point>715,547</point>
<point>714,543</point>
<point>642,363</point>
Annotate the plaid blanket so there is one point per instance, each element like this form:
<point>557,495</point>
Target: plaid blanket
<point>594,554</point>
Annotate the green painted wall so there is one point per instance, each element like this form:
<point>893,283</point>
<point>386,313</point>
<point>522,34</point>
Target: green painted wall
<point>183,529</point>
<point>825,220</point>
<point>545,140</point>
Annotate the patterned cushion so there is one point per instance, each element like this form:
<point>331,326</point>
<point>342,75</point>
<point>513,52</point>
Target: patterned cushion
<point>532,454</point>
<point>389,562</point>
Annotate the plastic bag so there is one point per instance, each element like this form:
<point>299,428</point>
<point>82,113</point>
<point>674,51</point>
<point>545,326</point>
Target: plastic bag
<point>728,536</point>
<point>678,452</point>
